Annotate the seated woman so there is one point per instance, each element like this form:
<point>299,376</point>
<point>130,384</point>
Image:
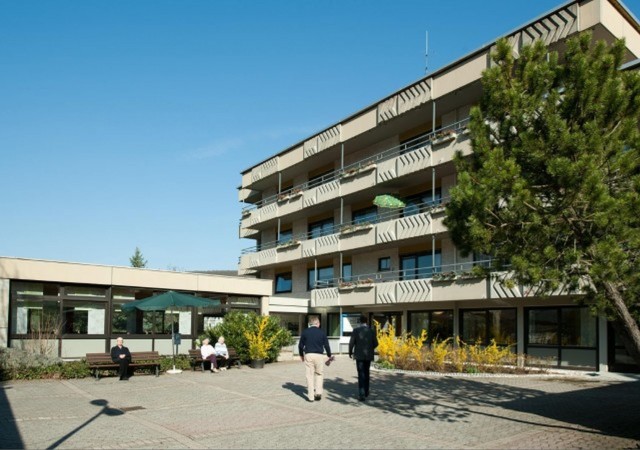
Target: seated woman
<point>221,350</point>
<point>209,354</point>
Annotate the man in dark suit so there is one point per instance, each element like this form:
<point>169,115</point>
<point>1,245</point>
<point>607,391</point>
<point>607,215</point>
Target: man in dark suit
<point>121,355</point>
<point>362,344</point>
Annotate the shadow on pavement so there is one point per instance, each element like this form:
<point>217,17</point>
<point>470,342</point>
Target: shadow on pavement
<point>605,408</point>
<point>9,434</point>
<point>104,410</point>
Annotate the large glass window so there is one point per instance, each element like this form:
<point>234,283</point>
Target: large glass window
<point>562,336</point>
<point>333,324</point>
<point>324,280</point>
<point>283,282</point>
<point>36,316</point>
<point>438,324</point>
<point>366,215</point>
<point>481,326</point>
<point>321,228</point>
<point>346,272</point>
<point>285,236</point>
<point>421,265</point>
<point>83,317</point>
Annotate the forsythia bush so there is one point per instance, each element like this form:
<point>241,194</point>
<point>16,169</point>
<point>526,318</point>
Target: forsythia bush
<point>409,353</point>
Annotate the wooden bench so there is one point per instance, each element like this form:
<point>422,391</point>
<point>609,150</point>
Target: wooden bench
<point>102,361</point>
<point>195,357</point>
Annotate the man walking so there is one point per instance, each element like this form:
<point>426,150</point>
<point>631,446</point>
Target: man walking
<point>361,345</point>
<point>312,342</point>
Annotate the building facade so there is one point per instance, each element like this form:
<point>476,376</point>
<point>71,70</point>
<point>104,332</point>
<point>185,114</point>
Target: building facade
<point>330,251</point>
<point>72,309</point>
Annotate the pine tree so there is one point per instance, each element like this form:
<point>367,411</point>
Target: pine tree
<point>137,260</point>
<point>552,188</point>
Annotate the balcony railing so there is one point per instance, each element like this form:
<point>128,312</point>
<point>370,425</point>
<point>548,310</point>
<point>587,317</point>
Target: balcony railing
<point>383,215</point>
<point>448,272</point>
<point>390,153</point>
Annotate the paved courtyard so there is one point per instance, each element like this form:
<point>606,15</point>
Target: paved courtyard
<point>252,408</point>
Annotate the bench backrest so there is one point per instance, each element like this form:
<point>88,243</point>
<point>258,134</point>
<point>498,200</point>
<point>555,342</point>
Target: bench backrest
<point>105,358</point>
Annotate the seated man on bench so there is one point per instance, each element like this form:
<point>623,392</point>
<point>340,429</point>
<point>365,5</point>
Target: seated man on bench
<point>121,355</point>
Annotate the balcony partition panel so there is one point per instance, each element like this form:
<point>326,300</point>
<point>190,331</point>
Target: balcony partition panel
<point>362,180</point>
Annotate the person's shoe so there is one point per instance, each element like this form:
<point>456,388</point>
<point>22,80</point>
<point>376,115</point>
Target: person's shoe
<point>224,368</point>
<point>215,371</point>
<point>361,398</point>
<point>366,394</point>
<point>317,397</point>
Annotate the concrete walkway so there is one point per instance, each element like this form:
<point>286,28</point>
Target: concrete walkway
<point>252,408</point>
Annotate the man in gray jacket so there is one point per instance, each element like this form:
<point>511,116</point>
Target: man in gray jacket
<point>362,344</point>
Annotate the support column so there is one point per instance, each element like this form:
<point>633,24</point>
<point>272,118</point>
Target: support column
<point>603,344</point>
<point>520,320</point>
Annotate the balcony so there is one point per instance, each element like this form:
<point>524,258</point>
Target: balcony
<point>426,284</point>
<point>387,226</point>
<point>425,151</point>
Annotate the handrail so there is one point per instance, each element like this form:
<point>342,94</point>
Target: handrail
<point>413,144</point>
<point>442,272</point>
<point>381,216</point>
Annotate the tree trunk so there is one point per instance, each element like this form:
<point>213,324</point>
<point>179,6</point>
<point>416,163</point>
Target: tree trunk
<point>624,324</point>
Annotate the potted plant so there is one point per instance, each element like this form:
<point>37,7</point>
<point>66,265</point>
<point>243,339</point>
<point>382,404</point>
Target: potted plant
<point>258,344</point>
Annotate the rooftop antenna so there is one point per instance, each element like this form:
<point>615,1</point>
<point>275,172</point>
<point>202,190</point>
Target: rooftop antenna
<point>426,52</point>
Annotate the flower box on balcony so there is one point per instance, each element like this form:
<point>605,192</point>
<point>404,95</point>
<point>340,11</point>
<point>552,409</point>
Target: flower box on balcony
<point>350,229</point>
<point>444,276</point>
<point>358,170</point>
<point>346,286</point>
<point>364,284</point>
<point>246,213</point>
<point>288,245</point>
<point>444,136</point>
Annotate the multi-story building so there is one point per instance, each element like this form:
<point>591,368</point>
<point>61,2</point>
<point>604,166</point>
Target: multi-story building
<point>331,251</point>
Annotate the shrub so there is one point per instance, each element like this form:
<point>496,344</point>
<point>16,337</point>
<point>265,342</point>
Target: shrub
<point>17,364</point>
<point>236,323</point>
<point>166,363</point>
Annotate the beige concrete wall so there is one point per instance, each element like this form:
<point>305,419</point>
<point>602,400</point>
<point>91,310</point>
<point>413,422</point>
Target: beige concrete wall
<point>360,124</point>
<point>618,26</point>
<point>16,268</point>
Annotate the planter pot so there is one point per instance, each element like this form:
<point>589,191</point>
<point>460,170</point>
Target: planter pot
<point>257,363</point>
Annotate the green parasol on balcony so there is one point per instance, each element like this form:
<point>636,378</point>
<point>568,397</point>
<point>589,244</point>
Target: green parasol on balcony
<point>388,201</point>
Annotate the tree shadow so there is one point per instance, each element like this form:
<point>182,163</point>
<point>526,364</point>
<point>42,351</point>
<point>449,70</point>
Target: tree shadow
<point>9,434</point>
<point>606,408</point>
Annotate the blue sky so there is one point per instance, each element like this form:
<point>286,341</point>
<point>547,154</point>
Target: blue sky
<point>127,123</point>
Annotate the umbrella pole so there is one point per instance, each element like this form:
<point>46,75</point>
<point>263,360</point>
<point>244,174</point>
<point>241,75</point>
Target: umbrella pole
<point>173,346</point>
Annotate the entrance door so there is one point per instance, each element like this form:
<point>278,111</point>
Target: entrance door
<point>385,319</point>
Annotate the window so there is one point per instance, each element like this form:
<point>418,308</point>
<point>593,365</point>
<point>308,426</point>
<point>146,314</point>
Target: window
<point>421,265</point>
<point>83,317</point>
<point>321,228</point>
<point>481,326</point>
<point>346,272</point>
<point>333,324</point>
<point>418,203</point>
<point>283,282</point>
<point>35,315</point>
<point>285,236</point>
<point>384,264</point>
<point>439,324</point>
<point>366,215</point>
<point>325,278</point>
<point>562,336</point>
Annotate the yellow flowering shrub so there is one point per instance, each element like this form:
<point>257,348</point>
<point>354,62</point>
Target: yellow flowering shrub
<point>258,344</point>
